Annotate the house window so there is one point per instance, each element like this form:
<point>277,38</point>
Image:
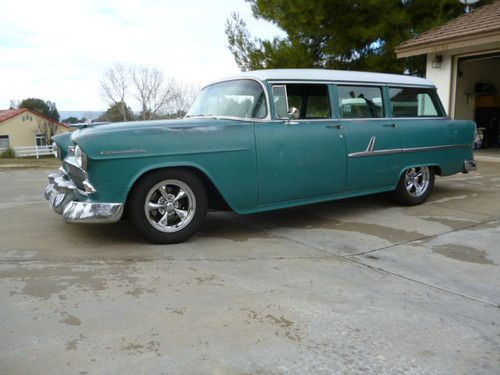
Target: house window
<point>40,140</point>
<point>4,142</point>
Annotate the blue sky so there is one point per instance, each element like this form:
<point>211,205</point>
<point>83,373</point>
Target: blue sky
<point>57,50</point>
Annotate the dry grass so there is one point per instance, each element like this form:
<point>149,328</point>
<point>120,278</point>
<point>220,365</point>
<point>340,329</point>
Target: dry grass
<point>20,163</point>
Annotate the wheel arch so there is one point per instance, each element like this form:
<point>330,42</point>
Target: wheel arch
<point>216,200</point>
<point>434,166</point>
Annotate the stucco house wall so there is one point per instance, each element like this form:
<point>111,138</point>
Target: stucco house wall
<point>23,128</point>
<point>441,77</point>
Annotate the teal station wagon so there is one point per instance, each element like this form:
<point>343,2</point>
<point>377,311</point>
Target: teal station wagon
<point>260,141</point>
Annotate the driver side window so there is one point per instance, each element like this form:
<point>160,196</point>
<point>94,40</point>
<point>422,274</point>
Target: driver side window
<point>311,100</point>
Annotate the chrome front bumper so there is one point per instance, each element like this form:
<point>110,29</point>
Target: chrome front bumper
<point>61,193</point>
<point>470,165</point>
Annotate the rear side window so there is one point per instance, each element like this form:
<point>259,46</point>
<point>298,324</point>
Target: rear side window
<point>414,102</point>
<point>360,102</point>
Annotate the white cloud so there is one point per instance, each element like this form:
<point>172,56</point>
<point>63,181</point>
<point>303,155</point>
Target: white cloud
<point>57,50</point>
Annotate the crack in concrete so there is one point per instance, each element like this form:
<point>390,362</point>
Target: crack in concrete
<point>346,257</point>
<point>381,270</point>
<point>486,302</point>
<point>422,238</point>
<point>119,261</point>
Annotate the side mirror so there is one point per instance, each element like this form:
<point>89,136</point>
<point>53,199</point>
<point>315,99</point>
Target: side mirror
<point>293,113</point>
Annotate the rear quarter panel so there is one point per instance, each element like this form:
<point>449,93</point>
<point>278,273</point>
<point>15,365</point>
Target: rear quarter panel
<point>420,136</point>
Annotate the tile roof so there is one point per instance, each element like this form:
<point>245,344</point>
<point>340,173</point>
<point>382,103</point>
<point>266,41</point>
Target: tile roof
<point>482,20</point>
<point>6,114</point>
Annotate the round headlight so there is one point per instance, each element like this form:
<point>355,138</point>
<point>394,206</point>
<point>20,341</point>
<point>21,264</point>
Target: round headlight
<point>81,158</point>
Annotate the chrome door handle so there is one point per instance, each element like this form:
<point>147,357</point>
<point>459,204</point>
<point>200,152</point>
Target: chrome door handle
<point>335,126</point>
<point>390,125</point>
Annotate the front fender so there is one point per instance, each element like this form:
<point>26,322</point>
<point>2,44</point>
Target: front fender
<point>63,141</point>
<point>233,174</point>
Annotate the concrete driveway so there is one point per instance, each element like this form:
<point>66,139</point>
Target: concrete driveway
<point>343,287</point>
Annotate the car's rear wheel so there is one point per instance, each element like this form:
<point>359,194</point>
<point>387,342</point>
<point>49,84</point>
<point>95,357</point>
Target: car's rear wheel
<point>415,186</point>
<point>168,206</point>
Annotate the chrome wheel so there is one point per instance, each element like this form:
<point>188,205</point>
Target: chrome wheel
<point>170,206</point>
<point>417,181</point>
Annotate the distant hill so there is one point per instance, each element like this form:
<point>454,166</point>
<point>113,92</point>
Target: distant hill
<point>79,114</point>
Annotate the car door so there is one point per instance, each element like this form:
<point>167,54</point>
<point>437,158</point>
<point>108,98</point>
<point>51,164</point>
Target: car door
<point>373,141</point>
<point>303,157</point>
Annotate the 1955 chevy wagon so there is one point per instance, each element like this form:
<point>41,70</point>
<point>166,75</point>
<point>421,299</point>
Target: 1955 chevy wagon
<point>263,140</point>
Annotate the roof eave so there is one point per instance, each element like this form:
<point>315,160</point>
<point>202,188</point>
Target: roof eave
<point>448,44</point>
<point>24,110</point>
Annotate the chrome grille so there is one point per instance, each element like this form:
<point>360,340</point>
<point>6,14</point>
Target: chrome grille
<point>76,174</point>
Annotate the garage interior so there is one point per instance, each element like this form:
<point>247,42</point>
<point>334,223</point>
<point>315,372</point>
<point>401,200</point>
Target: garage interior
<point>477,96</point>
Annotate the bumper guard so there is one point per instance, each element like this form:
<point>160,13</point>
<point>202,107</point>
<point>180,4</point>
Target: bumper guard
<point>61,194</point>
<point>470,165</point>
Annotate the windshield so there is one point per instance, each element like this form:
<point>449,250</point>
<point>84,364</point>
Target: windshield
<point>240,98</point>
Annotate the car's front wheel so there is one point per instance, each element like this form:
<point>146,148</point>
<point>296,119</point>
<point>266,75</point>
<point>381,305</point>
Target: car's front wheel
<point>415,186</point>
<point>168,206</point>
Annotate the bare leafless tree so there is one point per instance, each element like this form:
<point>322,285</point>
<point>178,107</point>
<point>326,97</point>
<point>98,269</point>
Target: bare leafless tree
<point>14,104</point>
<point>183,98</point>
<point>115,84</point>
<point>152,91</point>
<point>48,129</point>
<point>156,96</point>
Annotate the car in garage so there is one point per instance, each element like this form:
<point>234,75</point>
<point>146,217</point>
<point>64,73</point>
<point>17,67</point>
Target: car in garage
<point>260,141</point>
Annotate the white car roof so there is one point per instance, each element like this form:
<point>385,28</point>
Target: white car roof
<point>332,75</point>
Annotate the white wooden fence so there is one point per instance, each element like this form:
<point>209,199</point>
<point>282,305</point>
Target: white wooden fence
<point>23,152</point>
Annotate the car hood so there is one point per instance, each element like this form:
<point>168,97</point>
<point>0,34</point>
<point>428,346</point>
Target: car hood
<point>124,139</point>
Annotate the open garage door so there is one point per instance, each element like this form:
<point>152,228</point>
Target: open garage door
<point>477,95</point>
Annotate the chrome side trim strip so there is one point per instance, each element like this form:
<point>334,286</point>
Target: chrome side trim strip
<point>375,153</point>
<point>403,150</point>
<point>361,119</point>
<point>371,144</point>
<point>131,151</point>
<point>435,148</point>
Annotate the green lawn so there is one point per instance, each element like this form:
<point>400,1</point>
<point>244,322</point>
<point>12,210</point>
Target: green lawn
<point>18,163</point>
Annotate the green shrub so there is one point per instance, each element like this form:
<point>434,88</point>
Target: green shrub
<point>8,154</point>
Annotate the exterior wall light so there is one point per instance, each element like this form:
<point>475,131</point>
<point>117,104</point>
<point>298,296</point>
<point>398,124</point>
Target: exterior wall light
<point>436,61</point>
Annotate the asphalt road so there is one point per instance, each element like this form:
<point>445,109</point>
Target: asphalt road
<point>348,286</point>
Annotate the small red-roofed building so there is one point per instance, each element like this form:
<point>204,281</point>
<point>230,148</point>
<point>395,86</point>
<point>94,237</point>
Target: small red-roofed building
<point>24,128</point>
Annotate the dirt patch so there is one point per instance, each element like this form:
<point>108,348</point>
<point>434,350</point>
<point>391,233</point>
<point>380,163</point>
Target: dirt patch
<point>454,223</point>
<point>73,344</point>
<point>132,348</point>
<point>230,231</point>
<point>304,219</point>
<point>462,253</point>
<point>70,319</point>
